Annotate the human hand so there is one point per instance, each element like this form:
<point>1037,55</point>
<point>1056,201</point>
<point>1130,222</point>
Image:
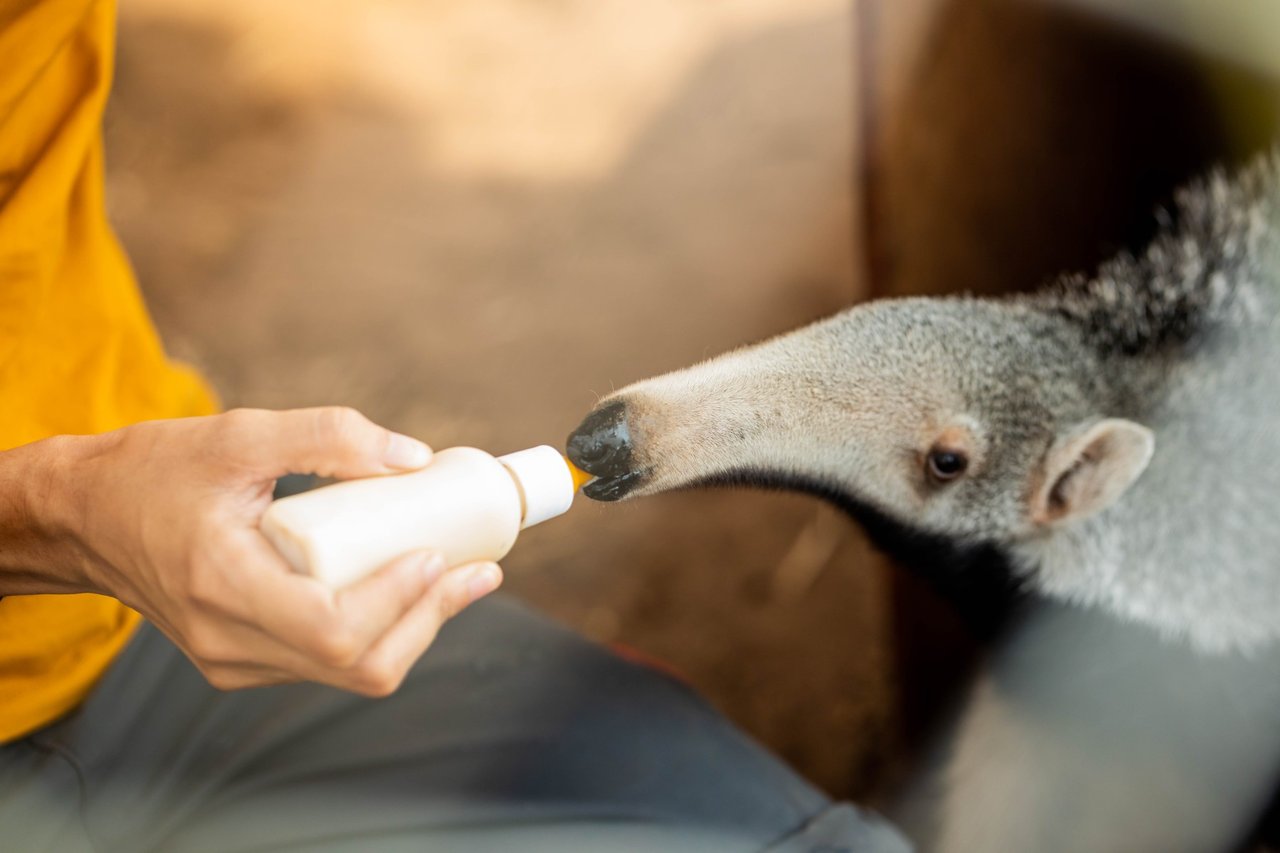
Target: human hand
<point>166,520</point>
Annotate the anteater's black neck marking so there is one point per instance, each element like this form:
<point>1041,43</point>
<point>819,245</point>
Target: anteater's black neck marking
<point>977,578</point>
<point>1189,278</point>
<point>1134,309</point>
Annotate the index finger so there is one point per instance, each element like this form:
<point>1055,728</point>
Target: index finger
<point>332,441</point>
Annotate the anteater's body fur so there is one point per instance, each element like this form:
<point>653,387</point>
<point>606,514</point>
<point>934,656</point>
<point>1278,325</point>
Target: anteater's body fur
<point>1121,433</point>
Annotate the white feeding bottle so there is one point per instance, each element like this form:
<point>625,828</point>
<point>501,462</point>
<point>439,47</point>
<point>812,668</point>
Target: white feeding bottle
<point>466,505</point>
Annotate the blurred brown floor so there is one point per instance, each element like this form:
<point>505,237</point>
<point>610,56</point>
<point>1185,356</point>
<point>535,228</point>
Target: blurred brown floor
<point>470,220</point>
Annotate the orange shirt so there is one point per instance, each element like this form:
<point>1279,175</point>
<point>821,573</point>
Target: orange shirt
<point>78,353</point>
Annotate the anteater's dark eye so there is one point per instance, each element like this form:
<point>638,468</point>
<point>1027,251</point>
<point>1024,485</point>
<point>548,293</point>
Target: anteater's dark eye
<point>946,465</point>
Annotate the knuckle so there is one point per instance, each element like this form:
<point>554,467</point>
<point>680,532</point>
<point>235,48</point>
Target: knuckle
<point>231,432</point>
<point>136,441</point>
<point>378,679</point>
<point>338,422</point>
<point>352,433</point>
<point>337,647</point>
<point>206,644</point>
<point>406,582</point>
<point>237,420</point>
<point>452,602</point>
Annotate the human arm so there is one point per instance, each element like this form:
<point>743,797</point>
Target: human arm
<point>164,516</point>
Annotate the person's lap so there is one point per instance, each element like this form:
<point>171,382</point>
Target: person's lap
<point>511,733</point>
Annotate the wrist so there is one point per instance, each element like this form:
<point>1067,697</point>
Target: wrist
<point>42,515</point>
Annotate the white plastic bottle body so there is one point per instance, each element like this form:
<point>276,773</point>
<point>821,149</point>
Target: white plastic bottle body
<point>466,505</point>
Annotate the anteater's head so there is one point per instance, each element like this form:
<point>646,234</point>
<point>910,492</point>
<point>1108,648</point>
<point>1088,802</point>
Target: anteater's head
<point>979,421</point>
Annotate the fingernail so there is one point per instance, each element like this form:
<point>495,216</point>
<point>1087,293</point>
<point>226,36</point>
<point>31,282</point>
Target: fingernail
<point>405,453</point>
<point>484,580</point>
<point>432,566</point>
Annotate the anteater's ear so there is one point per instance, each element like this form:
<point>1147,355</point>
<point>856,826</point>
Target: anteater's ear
<point>1088,468</point>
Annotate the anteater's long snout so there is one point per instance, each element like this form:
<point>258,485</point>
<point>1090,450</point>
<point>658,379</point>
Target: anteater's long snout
<point>602,446</point>
<point>725,416</point>
<point>758,409</point>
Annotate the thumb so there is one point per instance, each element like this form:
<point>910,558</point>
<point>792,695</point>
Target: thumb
<point>334,441</point>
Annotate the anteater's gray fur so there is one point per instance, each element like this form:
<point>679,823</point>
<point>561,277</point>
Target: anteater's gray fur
<point>1176,349</point>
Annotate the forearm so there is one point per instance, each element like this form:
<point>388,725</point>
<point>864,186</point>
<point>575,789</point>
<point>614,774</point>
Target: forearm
<point>40,502</point>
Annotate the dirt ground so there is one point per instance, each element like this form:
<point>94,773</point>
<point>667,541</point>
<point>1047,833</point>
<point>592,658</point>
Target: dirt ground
<point>471,220</point>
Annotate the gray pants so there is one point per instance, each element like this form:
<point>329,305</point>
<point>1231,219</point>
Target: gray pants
<point>510,734</point>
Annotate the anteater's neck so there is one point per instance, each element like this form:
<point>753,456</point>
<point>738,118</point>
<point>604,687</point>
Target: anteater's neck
<point>1187,340</point>
<point>1213,264</point>
<point>1194,547</point>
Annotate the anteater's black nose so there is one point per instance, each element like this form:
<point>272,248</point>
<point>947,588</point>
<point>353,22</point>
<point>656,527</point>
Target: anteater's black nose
<point>601,445</point>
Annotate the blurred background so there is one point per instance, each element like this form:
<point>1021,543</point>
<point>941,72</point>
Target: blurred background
<point>471,220</point>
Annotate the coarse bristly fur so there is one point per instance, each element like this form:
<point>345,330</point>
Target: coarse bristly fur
<point>1121,430</point>
<point>1187,339</point>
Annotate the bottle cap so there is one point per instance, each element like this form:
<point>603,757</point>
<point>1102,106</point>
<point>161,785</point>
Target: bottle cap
<point>545,482</point>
